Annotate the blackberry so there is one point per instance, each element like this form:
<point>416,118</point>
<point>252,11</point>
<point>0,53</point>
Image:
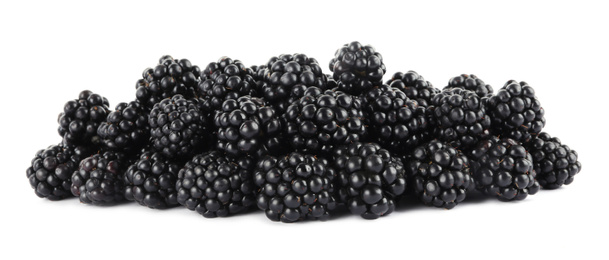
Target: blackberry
<point>258,73</point>
<point>125,128</point>
<point>223,80</point>
<point>503,168</point>
<point>460,118</point>
<point>396,122</point>
<point>80,118</point>
<point>215,186</point>
<point>316,124</point>
<point>439,174</point>
<point>99,178</point>
<point>370,179</point>
<point>295,187</point>
<point>555,163</point>
<point>151,181</point>
<point>246,126</point>
<point>176,126</point>
<point>516,112</point>
<point>472,83</point>
<point>414,86</point>
<point>51,170</point>
<point>170,77</point>
<point>357,68</point>
<point>288,77</point>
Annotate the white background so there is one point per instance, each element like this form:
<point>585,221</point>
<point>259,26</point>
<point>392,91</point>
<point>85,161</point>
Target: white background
<point>52,50</point>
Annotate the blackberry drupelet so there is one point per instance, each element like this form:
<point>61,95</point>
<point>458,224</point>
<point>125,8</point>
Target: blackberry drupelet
<point>370,179</point>
<point>216,186</point>
<point>357,68</point>
<point>414,86</point>
<point>170,77</point>
<point>81,117</point>
<point>258,73</point>
<point>439,174</point>
<point>246,126</point>
<point>516,112</point>
<point>460,118</point>
<point>295,187</point>
<point>472,83</point>
<point>125,128</point>
<point>223,80</point>
<point>396,122</point>
<point>316,124</point>
<point>99,178</point>
<point>151,181</point>
<point>503,168</point>
<point>288,77</point>
<point>176,126</point>
<point>51,170</point>
<point>555,163</point>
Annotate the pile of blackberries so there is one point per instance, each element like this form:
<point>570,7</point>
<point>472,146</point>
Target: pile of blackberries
<point>297,144</point>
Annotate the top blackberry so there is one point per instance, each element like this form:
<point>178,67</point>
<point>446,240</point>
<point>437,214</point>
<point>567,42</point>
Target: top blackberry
<point>80,118</point>
<point>471,82</point>
<point>357,68</point>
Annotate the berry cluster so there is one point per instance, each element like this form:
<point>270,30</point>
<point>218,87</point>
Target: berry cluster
<point>299,144</point>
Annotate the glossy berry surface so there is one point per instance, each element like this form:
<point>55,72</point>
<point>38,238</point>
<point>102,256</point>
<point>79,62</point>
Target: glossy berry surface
<point>555,163</point>
<point>439,174</point>
<point>370,179</point>
<point>503,168</point>
<point>295,187</point>
<point>223,80</point>
<point>151,181</point>
<point>357,68</point>
<point>81,117</point>
<point>472,83</point>
<point>125,128</point>
<point>99,178</point>
<point>414,86</point>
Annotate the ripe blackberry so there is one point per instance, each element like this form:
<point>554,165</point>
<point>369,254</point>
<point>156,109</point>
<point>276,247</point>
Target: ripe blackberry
<point>247,127</point>
<point>215,186</point>
<point>125,128</point>
<point>295,187</point>
<point>357,68</point>
<point>396,122</point>
<point>223,80</point>
<point>503,168</point>
<point>176,126</point>
<point>316,124</point>
<point>151,181</point>
<point>80,118</point>
<point>170,77</point>
<point>555,163</point>
<point>414,86</point>
<point>460,118</point>
<point>51,170</point>
<point>472,83</point>
<point>439,174</point>
<point>288,77</point>
<point>99,178</point>
<point>516,112</point>
<point>369,179</point>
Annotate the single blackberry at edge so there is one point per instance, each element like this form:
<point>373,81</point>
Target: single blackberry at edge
<point>295,187</point>
<point>51,170</point>
<point>316,124</point>
<point>555,163</point>
<point>176,127</point>
<point>472,83</point>
<point>287,78</point>
<point>223,80</point>
<point>369,179</point>
<point>516,112</point>
<point>168,78</point>
<point>216,186</point>
<point>81,117</point>
<point>503,168</point>
<point>357,68</point>
<point>246,126</point>
<point>414,86</point>
<point>151,181</point>
<point>460,118</point>
<point>439,174</point>
<point>125,128</point>
<point>99,178</point>
<point>396,122</point>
